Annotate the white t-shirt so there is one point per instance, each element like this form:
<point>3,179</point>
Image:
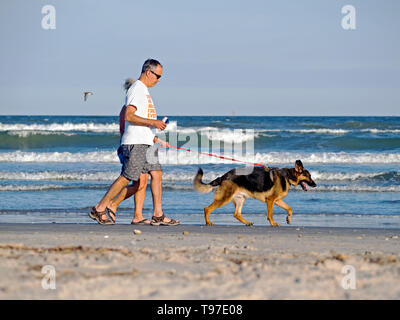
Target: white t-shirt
<point>138,95</point>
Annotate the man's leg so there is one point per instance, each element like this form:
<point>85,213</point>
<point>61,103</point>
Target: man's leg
<point>153,166</point>
<point>156,191</point>
<point>126,193</point>
<point>140,197</point>
<point>120,183</point>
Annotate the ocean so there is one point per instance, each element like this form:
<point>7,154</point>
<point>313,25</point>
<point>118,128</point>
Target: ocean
<point>53,169</point>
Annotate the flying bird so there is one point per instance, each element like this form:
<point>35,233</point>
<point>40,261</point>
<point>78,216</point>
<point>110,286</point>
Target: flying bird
<point>86,94</point>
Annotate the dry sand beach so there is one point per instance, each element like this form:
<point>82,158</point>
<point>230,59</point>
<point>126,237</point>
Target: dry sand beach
<point>198,262</point>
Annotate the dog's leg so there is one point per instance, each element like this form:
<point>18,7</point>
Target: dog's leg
<point>222,196</point>
<point>270,206</point>
<point>239,201</point>
<point>215,205</point>
<point>207,211</point>
<point>289,210</point>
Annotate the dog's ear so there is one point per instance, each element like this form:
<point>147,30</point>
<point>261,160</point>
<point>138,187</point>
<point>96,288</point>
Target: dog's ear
<point>299,166</point>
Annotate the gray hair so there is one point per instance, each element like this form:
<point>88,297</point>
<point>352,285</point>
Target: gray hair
<point>150,64</point>
<point>128,83</point>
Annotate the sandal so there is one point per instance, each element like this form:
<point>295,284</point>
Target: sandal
<point>159,221</point>
<point>96,215</point>
<point>108,211</point>
<point>141,222</point>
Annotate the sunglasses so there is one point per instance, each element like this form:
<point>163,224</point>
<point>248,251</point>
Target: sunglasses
<point>157,75</point>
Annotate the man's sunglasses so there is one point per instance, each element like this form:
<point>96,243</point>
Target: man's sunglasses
<point>157,75</point>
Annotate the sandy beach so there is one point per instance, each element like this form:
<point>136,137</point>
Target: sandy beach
<point>89,261</point>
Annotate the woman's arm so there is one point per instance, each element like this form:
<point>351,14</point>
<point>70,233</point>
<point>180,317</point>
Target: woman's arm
<point>122,121</point>
<point>162,143</point>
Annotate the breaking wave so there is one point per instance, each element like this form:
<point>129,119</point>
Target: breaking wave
<point>61,127</point>
<point>183,157</point>
<point>186,176</point>
<point>189,187</point>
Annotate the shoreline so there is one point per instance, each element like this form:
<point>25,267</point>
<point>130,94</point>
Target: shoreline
<point>197,219</point>
<point>198,262</point>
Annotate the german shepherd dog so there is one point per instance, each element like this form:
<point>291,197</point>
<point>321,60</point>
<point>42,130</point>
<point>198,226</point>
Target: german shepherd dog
<point>268,185</point>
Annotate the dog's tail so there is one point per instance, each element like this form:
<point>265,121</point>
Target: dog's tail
<point>202,187</point>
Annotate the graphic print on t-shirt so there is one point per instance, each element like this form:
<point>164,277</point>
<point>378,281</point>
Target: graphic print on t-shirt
<point>151,111</point>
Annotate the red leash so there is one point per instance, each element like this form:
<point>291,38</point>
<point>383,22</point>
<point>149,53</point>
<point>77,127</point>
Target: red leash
<point>220,157</point>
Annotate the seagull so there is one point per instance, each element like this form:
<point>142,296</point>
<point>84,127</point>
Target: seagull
<point>86,94</point>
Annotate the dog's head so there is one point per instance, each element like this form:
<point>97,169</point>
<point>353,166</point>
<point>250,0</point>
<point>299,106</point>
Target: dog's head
<point>303,176</point>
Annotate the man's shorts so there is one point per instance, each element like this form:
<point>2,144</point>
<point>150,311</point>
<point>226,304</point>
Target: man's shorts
<point>137,159</point>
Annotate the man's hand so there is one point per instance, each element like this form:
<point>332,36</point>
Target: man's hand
<point>131,117</point>
<point>158,124</point>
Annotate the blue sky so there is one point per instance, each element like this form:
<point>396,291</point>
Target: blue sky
<point>219,57</point>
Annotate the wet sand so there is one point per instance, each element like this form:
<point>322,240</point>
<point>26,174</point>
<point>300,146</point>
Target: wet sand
<point>90,261</point>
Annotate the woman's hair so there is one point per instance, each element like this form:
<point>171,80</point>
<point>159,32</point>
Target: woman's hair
<point>128,83</point>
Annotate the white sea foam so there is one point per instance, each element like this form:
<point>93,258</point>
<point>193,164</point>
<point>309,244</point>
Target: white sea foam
<point>328,157</point>
<point>61,127</point>
<point>167,176</point>
<point>332,131</point>
<point>346,176</point>
<point>27,133</point>
<point>230,136</point>
<point>188,177</point>
<point>95,156</point>
<point>172,126</point>
<point>245,134</point>
<point>55,175</point>
<point>50,187</point>
<point>320,131</point>
<point>351,188</point>
<point>43,187</point>
<point>215,134</point>
<point>188,187</point>
<point>381,131</point>
<point>96,176</point>
<point>68,126</point>
<point>172,156</point>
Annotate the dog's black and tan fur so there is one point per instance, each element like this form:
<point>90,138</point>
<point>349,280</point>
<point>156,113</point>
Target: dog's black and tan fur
<point>268,185</point>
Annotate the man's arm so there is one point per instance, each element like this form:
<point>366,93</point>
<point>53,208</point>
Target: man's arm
<point>131,117</point>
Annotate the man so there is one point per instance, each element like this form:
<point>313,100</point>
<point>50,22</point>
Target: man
<point>137,141</point>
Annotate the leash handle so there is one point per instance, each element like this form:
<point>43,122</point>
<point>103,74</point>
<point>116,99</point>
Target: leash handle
<point>220,157</point>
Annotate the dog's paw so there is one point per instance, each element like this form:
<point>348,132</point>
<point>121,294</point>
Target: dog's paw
<point>249,224</point>
<point>209,224</point>
<point>289,220</point>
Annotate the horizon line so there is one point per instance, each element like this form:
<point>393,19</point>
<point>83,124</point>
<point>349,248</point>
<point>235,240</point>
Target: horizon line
<point>191,115</point>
